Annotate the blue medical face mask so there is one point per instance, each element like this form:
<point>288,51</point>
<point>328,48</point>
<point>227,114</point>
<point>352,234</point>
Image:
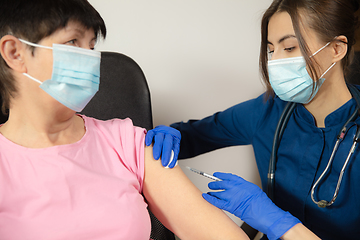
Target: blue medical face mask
<point>291,81</point>
<point>75,77</point>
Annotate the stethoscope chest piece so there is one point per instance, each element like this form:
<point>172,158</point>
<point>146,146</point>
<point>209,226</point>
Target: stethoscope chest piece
<point>322,203</point>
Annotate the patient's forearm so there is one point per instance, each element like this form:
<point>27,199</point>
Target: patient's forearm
<point>299,231</point>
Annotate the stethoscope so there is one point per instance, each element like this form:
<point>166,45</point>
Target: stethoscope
<point>284,118</point>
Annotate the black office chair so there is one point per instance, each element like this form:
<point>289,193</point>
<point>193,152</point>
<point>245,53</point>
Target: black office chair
<point>124,93</point>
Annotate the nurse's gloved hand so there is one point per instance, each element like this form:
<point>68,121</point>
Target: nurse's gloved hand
<point>166,144</point>
<point>248,202</point>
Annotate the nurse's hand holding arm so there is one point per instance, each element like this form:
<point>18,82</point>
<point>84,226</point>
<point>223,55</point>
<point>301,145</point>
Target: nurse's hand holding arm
<point>166,144</point>
<point>248,202</point>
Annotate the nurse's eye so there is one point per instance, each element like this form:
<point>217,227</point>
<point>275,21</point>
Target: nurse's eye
<point>270,53</point>
<point>289,49</point>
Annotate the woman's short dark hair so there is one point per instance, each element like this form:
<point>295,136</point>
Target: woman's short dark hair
<point>327,18</point>
<point>34,20</point>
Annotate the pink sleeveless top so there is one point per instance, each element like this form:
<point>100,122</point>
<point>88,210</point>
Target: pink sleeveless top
<point>87,190</point>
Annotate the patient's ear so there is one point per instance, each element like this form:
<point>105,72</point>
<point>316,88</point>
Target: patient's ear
<point>12,51</point>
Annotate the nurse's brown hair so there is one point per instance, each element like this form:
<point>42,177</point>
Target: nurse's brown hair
<point>328,18</point>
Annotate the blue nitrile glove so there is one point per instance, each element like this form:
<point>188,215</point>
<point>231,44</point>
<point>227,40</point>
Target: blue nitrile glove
<point>248,202</point>
<point>166,143</point>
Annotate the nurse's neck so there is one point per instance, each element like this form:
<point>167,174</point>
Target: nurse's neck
<point>332,95</point>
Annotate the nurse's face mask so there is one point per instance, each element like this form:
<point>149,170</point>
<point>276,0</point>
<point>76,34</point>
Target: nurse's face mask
<point>291,81</point>
<point>75,76</point>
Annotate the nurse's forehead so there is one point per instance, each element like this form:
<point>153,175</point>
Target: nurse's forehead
<point>280,25</point>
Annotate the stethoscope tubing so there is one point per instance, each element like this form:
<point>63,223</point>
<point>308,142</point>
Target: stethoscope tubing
<point>324,203</point>
<point>284,118</point>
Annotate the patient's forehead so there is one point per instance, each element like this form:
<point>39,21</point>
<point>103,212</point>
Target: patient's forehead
<point>73,30</point>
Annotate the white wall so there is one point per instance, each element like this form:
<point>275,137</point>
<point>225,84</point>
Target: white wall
<point>199,57</point>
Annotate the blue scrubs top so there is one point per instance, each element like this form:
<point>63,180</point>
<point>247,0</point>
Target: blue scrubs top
<point>303,154</point>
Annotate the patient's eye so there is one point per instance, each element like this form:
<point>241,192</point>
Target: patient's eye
<point>72,42</point>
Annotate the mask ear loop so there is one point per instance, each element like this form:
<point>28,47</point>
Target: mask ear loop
<point>32,78</point>
<point>320,49</point>
<point>328,69</point>
<point>323,47</point>
<point>34,44</point>
<point>332,65</point>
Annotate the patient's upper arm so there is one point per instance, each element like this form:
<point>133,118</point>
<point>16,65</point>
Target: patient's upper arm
<point>178,204</point>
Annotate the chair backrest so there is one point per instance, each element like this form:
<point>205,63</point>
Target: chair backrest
<point>124,92</point>
<point>3,118</point>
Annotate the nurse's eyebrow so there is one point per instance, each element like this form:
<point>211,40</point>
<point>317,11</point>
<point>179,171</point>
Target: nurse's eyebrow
<point>284,38</point>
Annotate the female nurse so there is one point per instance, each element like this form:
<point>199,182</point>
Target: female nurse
<point>306,48</point>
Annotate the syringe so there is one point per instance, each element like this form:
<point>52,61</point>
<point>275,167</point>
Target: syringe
<point>204,174</point>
